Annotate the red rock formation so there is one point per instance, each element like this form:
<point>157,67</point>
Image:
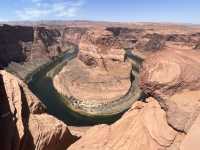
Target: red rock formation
<point>11,38</point>
<point>21,43</point>
<point>169,71</point>
<point>73,35</point>
<point>191,140</point>
<point>182,109</point>
<point>172,76</point>
<point>99,73</point>
<point>23,121</point>
<point>100,43</point>
<point>143,127</point>
<point>156,42</point>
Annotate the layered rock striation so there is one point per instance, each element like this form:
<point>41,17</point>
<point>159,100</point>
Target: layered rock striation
<point>172,76</point>
<point>24,123</point>
<point>170,71</point>
<point>101,81</point>
<point>100,74</point>
<point>22,43</point>
<point>169,121</point>
<point>143,127</point>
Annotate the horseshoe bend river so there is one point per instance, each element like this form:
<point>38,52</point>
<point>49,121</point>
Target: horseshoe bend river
<point>40,83</point>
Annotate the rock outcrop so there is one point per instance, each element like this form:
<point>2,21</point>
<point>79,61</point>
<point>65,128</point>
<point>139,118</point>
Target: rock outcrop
<point>143,127</point>
<point>11,46</point>
<point>182,109</point>
<point>22,43</point>
<point>100,72</point>
<point>170,71</point>
<point>127,36</point>
<point>172,76</point>
<point>156,42</point>
<point>23,121</point>
<point>102,81</point>
<point>72,35</point>
<point>191,140</point>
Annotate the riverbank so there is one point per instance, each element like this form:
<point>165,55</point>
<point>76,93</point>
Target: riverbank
<point>97,108</point>
<point>73,111</point>
<point>42,86</point>
<point>27,71</point>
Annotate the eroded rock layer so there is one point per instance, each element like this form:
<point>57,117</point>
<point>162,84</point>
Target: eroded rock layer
<point>23,121</point>
<point>143,127</point>
<point>182,109</point>
<point>100,73</point>
<point>22,43</point>
<point>169,71</point>
<point>172,76</point>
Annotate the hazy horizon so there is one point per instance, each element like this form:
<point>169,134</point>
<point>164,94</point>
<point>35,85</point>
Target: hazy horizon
<point>155,11</point>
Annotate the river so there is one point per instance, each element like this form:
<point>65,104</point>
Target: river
<point>41,85</point>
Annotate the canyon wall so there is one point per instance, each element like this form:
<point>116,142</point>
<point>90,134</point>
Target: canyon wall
<point>24,123</point>
<point>168,119</point>
<point>22,44</point>
<point>100,78</point>
<point>11,47</point>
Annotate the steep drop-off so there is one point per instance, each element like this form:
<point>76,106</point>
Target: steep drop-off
<point>100,80</point>
<point>167,120</point>
<point>24,123</point>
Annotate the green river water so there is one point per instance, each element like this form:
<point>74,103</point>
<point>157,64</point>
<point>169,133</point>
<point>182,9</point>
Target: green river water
<point>41,85</point>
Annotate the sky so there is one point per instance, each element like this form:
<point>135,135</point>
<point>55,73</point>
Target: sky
<point>177,11</point>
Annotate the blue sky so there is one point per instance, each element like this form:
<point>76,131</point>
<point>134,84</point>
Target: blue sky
<point>181,11</point>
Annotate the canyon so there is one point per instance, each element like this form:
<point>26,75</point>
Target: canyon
<point>99,86</point>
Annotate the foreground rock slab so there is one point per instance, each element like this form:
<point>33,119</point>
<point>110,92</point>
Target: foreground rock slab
<point>172,76</point>
<point>191,141</point>
<point>143,127</point>
<point>182,109</point>
<point>24,123</point>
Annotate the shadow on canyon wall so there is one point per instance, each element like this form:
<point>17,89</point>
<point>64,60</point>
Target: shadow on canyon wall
<point>11,43</point>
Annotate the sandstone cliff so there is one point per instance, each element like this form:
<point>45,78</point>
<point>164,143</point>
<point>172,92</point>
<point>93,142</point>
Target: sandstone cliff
<point>99,76</point>
<point>143,127</point>
<point>170,71</point>
<point>172,76</point>
<point>99,73</point>
<point>21,43</point>
<point>23,121</point>
<point>11,39</point>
